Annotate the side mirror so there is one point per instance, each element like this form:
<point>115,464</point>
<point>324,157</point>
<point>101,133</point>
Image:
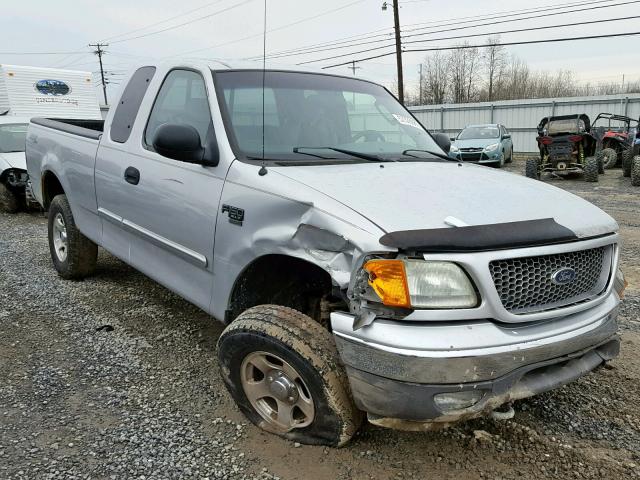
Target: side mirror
<point>443,141</point>
<point>453,139</point>
<point>182,142</point>
<point>506,135</point>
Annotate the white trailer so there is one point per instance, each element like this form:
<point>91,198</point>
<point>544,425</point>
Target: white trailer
<point>47,92</point>
<point>27,92</point>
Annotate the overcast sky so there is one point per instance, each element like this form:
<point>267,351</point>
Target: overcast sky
<point>232,30</point>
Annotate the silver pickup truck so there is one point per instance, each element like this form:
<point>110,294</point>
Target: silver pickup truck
<point>357,267</point>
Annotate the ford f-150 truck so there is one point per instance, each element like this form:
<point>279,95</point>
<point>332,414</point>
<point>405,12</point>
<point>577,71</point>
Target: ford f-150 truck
<point>358,268</point>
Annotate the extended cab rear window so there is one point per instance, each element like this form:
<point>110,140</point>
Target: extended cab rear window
<point>127,109</point>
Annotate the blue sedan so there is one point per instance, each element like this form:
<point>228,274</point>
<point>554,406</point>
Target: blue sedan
<point>489,143</point>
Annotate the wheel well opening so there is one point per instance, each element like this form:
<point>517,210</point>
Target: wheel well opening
<point>51,187</point>
<point>286,281</point>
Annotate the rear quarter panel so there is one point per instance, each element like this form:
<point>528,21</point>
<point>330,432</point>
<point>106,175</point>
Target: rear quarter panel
<point>71,158</point>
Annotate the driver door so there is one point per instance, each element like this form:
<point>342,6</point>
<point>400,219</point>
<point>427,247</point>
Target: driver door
<point>170,206</point>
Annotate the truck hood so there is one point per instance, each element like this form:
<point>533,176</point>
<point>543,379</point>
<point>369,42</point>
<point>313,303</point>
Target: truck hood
<point>421,195</point>
<point>13,160</point>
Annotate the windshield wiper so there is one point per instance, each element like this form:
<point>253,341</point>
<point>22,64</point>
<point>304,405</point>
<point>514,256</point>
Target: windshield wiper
<point>435,154</point>
<point>364,156</point>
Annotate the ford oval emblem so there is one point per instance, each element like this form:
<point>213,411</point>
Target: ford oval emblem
<point>52,87</point>
<point>564,276</point>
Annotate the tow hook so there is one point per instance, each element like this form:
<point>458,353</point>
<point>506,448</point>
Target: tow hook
<point>506,412</point>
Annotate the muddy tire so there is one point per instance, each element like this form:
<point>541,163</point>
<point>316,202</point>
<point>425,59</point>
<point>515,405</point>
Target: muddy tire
<point>509,159</point>
<point>8,201</point>
<point>270,342</point>
<point>74,255</point>
<point>635,171</point>
<point>600,165</point>
<point>608,156</point>
<point>627,158</point>
<point>531,168</point>
<point>590,169</point>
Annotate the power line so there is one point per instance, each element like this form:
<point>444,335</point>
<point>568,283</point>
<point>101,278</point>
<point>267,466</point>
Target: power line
<point>551,14</point>
<point>282,27</point>
<point>163,21</point>
<point>506,44</point>
<point>336,44</point>
<point>41,53</point>
<point>503,14</point>
<point>530,29</point>
<point>184,23</point>
<point>373,49</point>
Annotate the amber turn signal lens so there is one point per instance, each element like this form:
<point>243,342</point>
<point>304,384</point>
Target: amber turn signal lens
<point>389,280</point>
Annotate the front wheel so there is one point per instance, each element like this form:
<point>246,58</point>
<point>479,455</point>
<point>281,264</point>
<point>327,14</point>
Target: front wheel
<point>284,372</point>
<point>635,171</point>
<point>531,169</point>
<point>74,255</point>
<point>510,158</point>
<point>8,201</point>
<point>608,156</point>
<point>627,160</point>
<point>591,169</point>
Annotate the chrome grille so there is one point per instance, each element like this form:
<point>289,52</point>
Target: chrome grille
<point>524,284</point>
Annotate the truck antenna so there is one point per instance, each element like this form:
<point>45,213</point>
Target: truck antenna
<point>263,170</point>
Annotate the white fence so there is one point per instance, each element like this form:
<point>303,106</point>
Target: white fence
<point>521,116</point>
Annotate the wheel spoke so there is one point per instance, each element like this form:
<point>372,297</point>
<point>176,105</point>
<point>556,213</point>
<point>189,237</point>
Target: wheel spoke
<point>285,414</point>
<point>306,406</point>
<point>256,390</point>
<point>265,366</point>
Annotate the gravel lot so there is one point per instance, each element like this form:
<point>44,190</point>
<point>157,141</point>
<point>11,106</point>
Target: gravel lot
<point>115,377</point>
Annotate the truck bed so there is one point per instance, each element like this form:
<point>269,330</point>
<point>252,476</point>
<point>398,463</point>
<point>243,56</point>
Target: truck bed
<point>85,128</point>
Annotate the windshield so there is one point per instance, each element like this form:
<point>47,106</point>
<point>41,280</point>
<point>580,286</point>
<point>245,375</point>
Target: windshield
<point>13,137</point>
<point>479,132</point>
<point>310,117</point>
<point>565,125</point>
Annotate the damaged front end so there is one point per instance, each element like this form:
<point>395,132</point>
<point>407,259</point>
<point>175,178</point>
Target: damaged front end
<point>428,341</point>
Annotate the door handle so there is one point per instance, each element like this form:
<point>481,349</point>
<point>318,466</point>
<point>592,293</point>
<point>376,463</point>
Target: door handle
<point>132,175</point>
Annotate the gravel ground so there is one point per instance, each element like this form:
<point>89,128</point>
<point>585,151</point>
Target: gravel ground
<point>114,377</point>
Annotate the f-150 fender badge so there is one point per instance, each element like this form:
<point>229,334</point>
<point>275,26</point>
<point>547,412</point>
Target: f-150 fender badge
<point>236,215</point>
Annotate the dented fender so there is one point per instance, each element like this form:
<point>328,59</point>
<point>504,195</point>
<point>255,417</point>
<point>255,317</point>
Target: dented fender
<point>282,217</point>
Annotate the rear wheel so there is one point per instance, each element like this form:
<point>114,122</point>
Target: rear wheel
<point>609,157</point>
<point>531,168</point>
<point>283,370</point>
<point>74,255</point>
<point>635,171</point>
<point>627,158</point>
<point>510,158</point>
<point>590,169</point>
<point>8,201</point>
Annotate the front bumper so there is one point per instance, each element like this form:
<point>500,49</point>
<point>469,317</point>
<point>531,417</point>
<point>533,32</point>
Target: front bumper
<point>396,384</point>
<point>477,157</point>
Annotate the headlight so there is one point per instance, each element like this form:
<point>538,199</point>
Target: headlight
<point>491,148</point>
<point>454,149</point>
<point>421,284</point>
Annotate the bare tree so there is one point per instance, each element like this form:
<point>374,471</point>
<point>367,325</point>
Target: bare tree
<point>494,60</point>
<point>463,74</point>
<point>434,79</point>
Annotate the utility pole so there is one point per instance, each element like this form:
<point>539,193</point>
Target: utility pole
<point>99,51</point>
<point>353,67</point>
<point>396,25</point>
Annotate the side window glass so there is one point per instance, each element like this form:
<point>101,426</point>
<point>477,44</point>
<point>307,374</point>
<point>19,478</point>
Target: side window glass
<point>127,109</point>
<point>182,99</point>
